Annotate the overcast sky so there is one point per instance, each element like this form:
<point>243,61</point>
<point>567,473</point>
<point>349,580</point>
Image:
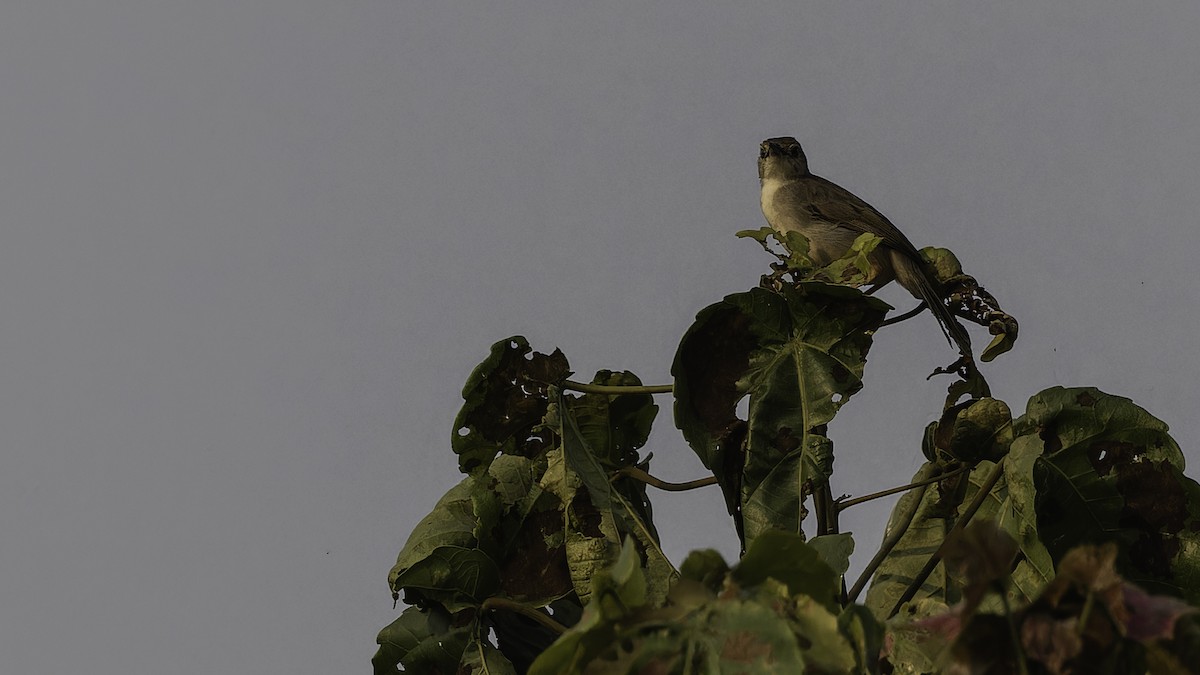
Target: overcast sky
<point>250,251</point>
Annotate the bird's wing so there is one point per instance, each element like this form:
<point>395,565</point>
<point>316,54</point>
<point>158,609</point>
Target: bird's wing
<point>831,203</point>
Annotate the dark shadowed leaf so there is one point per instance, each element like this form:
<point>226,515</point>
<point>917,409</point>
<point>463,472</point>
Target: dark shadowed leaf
<point>1152,617</point>
<point>504,401</point>
<point>1106,470</point>
<point>481,658</point>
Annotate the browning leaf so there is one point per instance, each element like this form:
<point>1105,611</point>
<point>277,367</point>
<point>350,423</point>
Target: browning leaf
<point>505,399</point>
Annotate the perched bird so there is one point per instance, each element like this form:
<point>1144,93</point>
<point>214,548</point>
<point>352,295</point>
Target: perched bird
<point>831,218</point>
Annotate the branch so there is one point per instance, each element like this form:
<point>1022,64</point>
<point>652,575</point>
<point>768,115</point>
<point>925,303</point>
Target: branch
<point>893,537</point>
<point>980,496</point>
<point>905,316</point>
<point>639,475</point>
<point>615,389</point>
<point>842,505</point>
<point>541,618</point>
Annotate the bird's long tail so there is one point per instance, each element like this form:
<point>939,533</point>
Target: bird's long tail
<point>914,277</point>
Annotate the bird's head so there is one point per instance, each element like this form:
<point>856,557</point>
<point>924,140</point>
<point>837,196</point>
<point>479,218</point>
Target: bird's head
<point>781,158</point>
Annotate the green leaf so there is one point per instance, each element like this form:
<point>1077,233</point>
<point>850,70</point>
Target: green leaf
<point>761,235</point>
<point>786,557</point>
<point>765,619</point>
<point>442,559</point>
<point>797,247</point>
<point>456,576</point>
<point>835,550</point>
<point>505,398</point>
<point>945,264</point>
<point>705,566</point>
<point>925,515</point>
<point>865,635</point>
<point>1104,469</point>
<point>854,267</point>
<point>615,426</point>
<point>798,353</point>
<point>748,637</point>
<point>496,533</point>
<point>923,530</point>
<point>600,516</point>
<point>980,557</point>
<point>825,648</point>
<point>423,641</point>
<point>622,587</point>
<point>590,532</point>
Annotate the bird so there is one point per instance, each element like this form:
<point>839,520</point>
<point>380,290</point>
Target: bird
<point>831,218</point>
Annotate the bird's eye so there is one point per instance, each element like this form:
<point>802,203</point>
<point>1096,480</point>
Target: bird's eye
<point>763,152</point>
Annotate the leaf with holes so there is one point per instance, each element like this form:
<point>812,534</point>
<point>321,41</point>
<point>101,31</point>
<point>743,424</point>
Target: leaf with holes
<point>1107,470</point>
<point>505,399</point>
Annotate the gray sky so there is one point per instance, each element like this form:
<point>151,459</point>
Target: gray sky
<point>250,251</point>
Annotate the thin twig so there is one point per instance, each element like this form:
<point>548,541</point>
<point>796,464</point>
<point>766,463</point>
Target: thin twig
<point>616,389</point>
<point>894,535</point>
<point>982,494</point>
<point>842,505</point>
<point>541,618</point>
<point>905,316</point>
<point>637,474</point>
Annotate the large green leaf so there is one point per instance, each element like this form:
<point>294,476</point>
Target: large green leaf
<point>442,559</point>
<point>1084,467</point>
<point>423,642</point>
<point>498,533</point>
<point>1104,469</point>
<point>798,353</point>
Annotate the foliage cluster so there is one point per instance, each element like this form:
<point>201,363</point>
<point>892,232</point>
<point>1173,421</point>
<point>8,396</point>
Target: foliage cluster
<point>1066,540</point>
